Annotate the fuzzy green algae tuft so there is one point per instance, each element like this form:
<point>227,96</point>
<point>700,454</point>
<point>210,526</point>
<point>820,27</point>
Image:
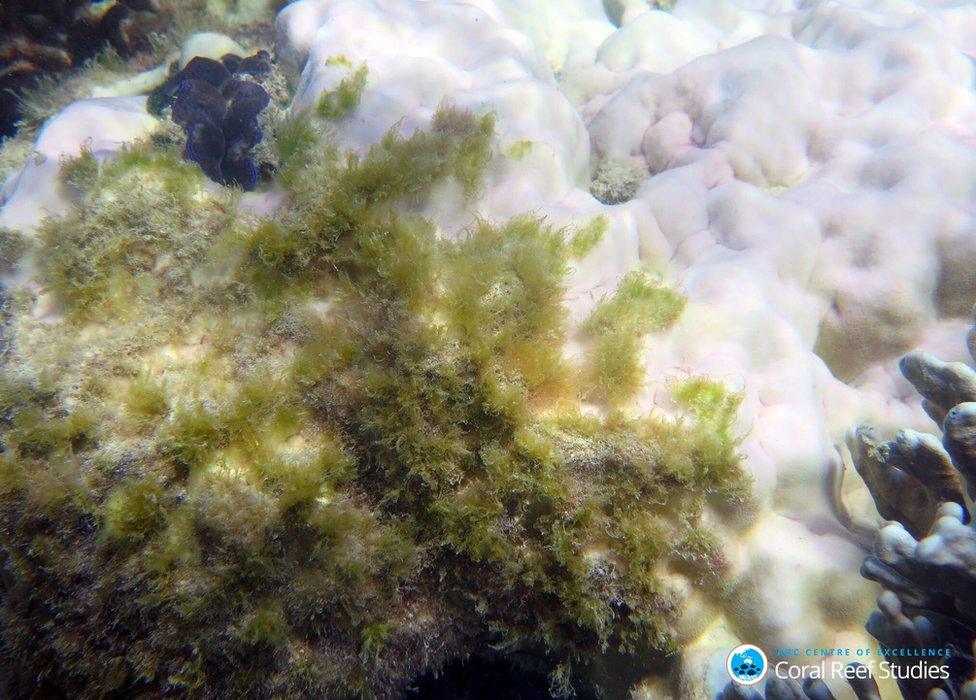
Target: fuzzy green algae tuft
<point>614,331</point>
<point>322,454</point>
<point>345,97</point>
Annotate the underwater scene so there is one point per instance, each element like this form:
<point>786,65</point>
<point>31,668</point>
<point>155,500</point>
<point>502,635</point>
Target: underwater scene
<point>488,349</point>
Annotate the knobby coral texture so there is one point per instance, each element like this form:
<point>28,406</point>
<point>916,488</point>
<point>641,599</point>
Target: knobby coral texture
<point>536,335</point>
<point>925,555</point>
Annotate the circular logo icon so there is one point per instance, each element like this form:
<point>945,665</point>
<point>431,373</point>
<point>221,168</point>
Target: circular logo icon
<point>746,664</point>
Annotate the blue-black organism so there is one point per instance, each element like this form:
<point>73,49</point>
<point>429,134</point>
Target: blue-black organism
<point>218,110</point>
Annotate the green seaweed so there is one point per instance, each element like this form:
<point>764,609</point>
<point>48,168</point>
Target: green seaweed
<point>80,172</point>
<point>519,149</point>
<point>146,400</point>
<point>344,98</point>
<point>13,245</point>
<point>132,510</point>
<point>273,455</point>
<point>709,401</point>
<point>266,626</point>
<point>614,331</point>
<point>588,237</point>
<point>101,256</point>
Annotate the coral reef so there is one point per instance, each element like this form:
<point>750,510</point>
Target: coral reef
<point>924,555</point>
<point>326,453</point>
<point>807,175</point>
<point>804,174</point>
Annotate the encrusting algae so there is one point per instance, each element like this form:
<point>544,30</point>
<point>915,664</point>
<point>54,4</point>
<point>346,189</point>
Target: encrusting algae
<point>321,454</point>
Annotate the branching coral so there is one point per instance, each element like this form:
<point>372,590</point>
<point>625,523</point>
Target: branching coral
<point>323,454</point>
<point>924,556</point>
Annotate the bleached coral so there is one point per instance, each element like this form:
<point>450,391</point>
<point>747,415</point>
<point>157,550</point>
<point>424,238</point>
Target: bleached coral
<point>809,188</point>
<point>809,172</point>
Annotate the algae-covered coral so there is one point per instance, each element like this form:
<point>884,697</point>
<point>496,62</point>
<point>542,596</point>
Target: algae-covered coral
<point>324,453</point>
